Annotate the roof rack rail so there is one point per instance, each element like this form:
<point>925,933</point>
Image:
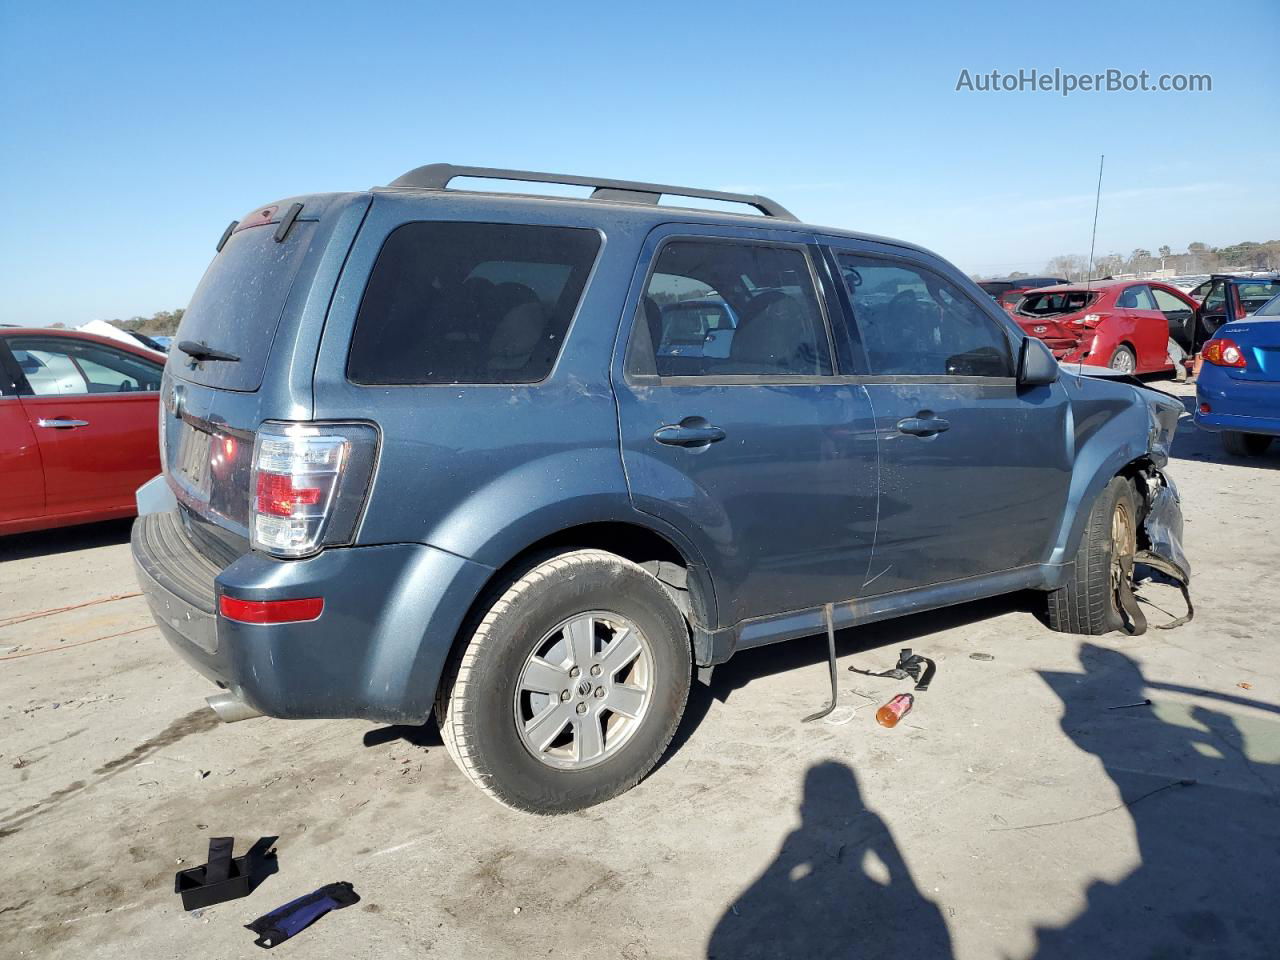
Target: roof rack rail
<point>436,176</point>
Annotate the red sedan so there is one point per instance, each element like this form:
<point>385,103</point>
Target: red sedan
<point>78,417</point>
<point>1122,324</point>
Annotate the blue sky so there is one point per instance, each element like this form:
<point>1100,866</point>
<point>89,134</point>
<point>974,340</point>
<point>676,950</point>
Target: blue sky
<point>130,134</point>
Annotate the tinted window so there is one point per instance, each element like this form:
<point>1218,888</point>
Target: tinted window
<point>1215,301</point>
<point>729,309</point>
<point>58,366</point>
<point>238,304</point>
<point>912,322</point>
<point>470,303</point>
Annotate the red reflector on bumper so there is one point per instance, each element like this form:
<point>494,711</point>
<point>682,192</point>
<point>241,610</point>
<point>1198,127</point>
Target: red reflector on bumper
<point>270,611</point>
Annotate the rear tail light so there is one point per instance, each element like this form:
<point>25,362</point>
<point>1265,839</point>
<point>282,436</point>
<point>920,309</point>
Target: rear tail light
<point>1224,353</point>
<point>309,485</point>
<point>1089,319</point>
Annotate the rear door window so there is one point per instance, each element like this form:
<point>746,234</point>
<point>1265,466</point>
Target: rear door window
<point>237,307</point>
<point>458,302</point>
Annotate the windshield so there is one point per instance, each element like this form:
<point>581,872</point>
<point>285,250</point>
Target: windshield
<point>237,306</point>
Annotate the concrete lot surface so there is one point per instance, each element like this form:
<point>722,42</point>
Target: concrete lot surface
<point>1012,814</point>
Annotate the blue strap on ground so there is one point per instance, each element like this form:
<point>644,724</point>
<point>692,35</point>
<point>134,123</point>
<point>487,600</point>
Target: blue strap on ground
<point>295,916</point>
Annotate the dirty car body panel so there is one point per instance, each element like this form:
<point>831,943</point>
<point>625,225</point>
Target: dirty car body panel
<point>811,493</point>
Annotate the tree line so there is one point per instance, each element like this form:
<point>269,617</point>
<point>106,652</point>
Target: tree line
<point>1198,258</point>
<point>163,323</point>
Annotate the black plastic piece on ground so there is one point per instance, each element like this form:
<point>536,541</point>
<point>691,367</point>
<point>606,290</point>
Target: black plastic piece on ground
<point>225,877</point>
<point>918,668</point>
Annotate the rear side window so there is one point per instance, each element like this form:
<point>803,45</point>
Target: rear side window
<point>237,307</point>
<point>913,322</point>
<point>719,308</point>
<point>456,302</point>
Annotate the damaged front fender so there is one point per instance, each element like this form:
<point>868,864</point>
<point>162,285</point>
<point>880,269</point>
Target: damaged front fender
<point>1162,526</point>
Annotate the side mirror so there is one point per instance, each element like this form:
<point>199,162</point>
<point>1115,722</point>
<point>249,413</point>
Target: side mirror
<point>1036,363</point>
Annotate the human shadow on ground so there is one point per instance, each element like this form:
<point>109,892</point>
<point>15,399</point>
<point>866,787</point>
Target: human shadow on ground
<point>1201,788</point>
<point>838,888</point>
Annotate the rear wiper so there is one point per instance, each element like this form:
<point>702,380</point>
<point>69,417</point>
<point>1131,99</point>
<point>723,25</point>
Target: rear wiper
<point>200,351</point>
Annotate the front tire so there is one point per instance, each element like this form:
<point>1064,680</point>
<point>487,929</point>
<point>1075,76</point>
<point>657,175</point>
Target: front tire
<point>1245,444</point>
<point>571,686</point>
<point>1086,603</point>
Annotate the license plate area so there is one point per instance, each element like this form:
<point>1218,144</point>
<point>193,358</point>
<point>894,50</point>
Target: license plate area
<point>191,464</point>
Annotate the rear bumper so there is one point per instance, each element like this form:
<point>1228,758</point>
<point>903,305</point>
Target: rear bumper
<point>377,651</point>
<point>1247,406</point>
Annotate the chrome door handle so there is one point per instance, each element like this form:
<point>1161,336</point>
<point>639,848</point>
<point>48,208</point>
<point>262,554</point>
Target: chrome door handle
<point>60,424</point>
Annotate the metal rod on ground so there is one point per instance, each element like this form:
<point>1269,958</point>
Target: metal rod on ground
<point>831,662</point>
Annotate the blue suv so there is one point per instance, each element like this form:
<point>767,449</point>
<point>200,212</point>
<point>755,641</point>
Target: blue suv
<point>423,449</point>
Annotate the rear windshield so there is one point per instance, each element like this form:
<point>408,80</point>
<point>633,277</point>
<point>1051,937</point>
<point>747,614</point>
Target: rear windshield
<point>457,302</point>
<point>1270,309</point>
<point>994,288</point>
<point>237,306</point>
<point>1053,304</point>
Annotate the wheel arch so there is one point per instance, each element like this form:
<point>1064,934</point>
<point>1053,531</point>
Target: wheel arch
<point>671,559</point>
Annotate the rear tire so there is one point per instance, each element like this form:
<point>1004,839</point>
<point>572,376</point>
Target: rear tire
<point>538,741</point>
<point>1245,444</point>
<point>1086,603</point>
<point>1123,360</point>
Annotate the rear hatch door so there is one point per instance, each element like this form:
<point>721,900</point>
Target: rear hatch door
<point>245,353</point>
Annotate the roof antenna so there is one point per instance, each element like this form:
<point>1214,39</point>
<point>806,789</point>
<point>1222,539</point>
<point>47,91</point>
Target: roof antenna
<point>1097,200</point>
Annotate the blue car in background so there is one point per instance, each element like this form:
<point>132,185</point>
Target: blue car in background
<point>1238,389</point>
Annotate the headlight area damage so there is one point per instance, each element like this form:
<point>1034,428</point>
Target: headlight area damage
<point>1160,534</point>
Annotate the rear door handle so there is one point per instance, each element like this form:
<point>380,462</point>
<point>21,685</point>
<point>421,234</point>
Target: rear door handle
<point>923,426</point>
<point>689,432</point>
<point>59,423</point>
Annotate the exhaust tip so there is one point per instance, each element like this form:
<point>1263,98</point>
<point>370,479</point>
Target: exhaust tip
<point>231,708</point>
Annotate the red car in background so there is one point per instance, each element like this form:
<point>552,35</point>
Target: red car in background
<point>1122,324</point>
<point>78,427</point>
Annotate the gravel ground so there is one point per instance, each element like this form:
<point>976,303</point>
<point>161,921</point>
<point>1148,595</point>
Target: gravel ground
<point>1012,814</point>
